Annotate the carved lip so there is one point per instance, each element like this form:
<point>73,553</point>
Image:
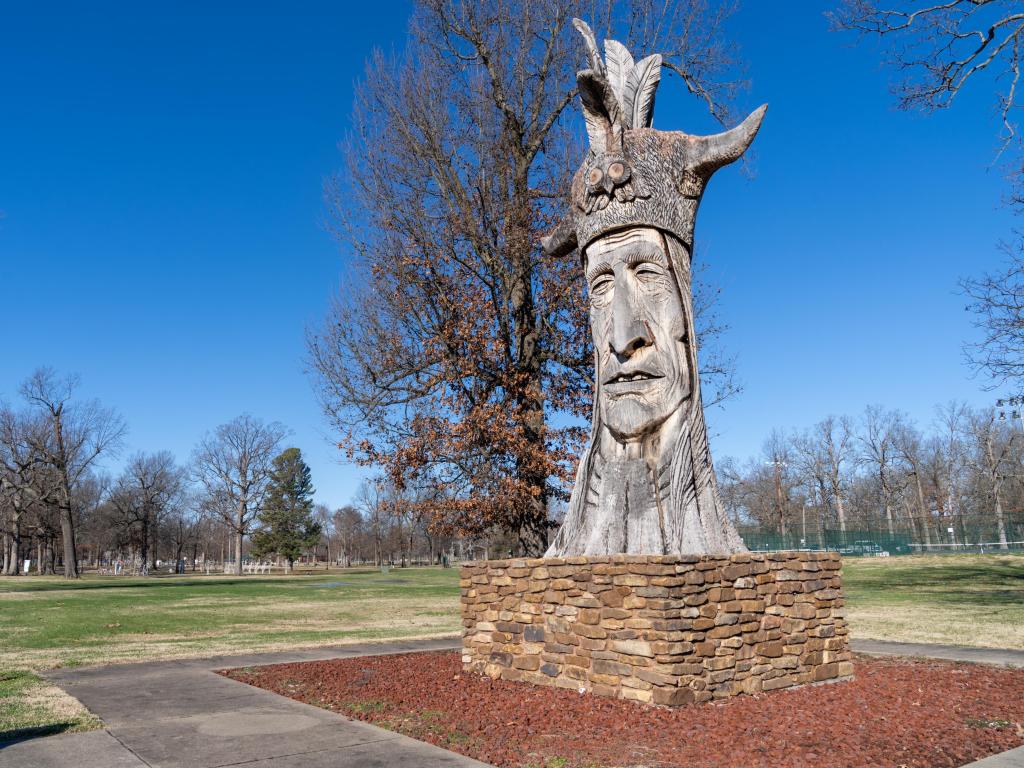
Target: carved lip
<point>632,377</point>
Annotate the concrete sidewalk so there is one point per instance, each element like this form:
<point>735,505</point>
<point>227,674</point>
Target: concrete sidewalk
<point>180,713</point>
<point>999,656</point>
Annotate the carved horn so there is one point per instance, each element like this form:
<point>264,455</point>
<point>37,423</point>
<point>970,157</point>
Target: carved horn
<point>720,149</point>
<point>562,239</point>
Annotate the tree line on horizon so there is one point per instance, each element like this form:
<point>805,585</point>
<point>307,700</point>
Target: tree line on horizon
<point>242,491</point>
<point>957,482</point>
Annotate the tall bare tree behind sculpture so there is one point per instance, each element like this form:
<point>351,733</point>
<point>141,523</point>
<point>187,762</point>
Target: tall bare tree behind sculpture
<point>457,352</point>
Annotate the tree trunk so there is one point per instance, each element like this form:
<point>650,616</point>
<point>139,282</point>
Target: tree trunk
<point>67,520</point>
<point>239,534</point>
<point>778,503</point>
<point>1000,522</point>
<point>997,487</point>
<point>154,548</point>
<point>840,508</point>
<point>885,501</point>
<point>45,568</point>
<point>14,547</point>
<point>144,553</point>
<point>922,507</point>
<point>67,529</point>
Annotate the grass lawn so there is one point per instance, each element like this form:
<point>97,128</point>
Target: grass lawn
<point>952,599</point>
<point>47,622</point>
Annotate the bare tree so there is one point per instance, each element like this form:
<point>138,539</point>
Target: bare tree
<point>234,464</point>
<point>994,443</point>
<point>148,489</point>
<point>952,427</point>
<point>997,302</point>
<point>458,353</point>
<point>776,451</point>
<point>183,531</point>
<point>23,481</point>
<point>348,527</point>
<point>370,503</point>
<point>825,453</point>
<point>941,47</point>
<point>322,515</point>
<point>879,451</point>
<point>909,444</point>
<point>78,432</point>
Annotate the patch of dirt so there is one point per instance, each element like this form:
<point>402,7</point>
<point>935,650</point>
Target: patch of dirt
<point>895,713</point>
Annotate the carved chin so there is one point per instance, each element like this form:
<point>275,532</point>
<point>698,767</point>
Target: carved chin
<point>633,418</point>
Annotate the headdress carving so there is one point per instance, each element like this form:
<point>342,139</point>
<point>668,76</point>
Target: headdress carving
<point>633,174</point>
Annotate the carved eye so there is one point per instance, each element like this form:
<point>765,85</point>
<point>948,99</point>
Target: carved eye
<point>615,171</point>
<point>594,177</point>
<point>601,286</point>
<point>649,272</point>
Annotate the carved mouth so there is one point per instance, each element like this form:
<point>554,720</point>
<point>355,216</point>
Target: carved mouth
<point>632,377</point>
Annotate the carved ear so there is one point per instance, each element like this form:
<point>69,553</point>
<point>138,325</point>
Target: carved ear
<point>601,107</point>
<point>712,152</point>
<point>601,111</point>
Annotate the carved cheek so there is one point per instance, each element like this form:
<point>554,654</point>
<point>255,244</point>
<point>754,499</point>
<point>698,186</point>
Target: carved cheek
<point>654,304</point>
<point>601,329</point>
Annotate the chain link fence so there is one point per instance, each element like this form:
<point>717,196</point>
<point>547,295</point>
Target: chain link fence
<point>978,534</point>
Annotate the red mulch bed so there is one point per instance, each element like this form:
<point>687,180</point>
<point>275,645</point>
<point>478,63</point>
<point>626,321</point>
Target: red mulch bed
<point>896,712</point>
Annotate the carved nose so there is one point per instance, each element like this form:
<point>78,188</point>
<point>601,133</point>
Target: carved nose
<point>628,333</point>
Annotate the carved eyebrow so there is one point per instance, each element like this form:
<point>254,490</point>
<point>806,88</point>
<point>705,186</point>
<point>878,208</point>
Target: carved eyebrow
<point>642,252</point>
<point>601,265</point>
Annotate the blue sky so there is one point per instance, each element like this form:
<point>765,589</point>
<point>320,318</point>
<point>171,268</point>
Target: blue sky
<point>160,180</point>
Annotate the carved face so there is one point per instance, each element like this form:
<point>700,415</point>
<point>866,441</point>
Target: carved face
<point>636,316</point>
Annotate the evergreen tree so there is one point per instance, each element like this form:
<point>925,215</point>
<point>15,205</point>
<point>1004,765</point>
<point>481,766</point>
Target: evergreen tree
<point>287,527</point>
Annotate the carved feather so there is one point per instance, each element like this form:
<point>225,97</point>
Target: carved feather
<point>593,55</point>
<point>619,63</point>
<point>641,87</point>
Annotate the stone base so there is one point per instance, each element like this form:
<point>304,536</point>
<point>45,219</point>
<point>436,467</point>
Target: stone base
<point>662,629</point>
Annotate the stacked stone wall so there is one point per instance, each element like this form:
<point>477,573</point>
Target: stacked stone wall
<point>661,629</point>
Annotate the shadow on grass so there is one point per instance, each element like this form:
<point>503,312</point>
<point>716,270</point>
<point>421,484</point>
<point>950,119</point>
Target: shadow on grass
<point>995,584</point>
<point>199,581</point>
<point>16,735</point>
<point>135,583</point>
